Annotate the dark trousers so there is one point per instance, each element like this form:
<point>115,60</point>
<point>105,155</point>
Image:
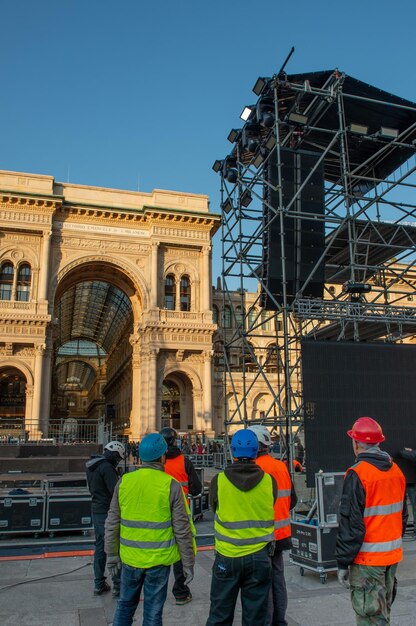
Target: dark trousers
<point>249,574</point>
<point>278,593</point>
<point>100,558</point>
<point>179,589</point>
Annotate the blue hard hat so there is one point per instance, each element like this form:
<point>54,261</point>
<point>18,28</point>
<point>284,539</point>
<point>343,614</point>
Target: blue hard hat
<point>244,444</point>
<point>152,447</point>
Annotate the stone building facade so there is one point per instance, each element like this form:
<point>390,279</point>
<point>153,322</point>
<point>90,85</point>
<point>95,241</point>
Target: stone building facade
<point>105,307</point>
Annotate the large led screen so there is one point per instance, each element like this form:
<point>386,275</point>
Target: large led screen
<point>343,381</point>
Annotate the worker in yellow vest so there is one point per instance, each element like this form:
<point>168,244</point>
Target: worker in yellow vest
<point>146,531</point>
<point>286,500</point>
<point>242,498</point>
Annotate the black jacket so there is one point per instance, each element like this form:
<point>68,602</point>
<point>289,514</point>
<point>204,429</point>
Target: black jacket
<point>351,528</point>
<point>244,476</point>
<point>102,478</point>
<point>194,484</point>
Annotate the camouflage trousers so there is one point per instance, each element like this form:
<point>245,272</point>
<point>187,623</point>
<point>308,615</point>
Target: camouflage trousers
<point>372,593</point>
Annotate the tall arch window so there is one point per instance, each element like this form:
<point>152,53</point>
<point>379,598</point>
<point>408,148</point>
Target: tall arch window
<point>215,314</point>
<point>185,293</point>
<point>170,292</point>
<point>24,278</point>
<point>6,280</point>
<point>227,317</point>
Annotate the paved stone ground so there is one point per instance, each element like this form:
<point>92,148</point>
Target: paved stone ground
<point>61,595</point>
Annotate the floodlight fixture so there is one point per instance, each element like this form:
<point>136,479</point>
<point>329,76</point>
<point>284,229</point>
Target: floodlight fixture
<point>358,129</point>
<point>227,206</point>
<point>229,169</point>
<point>388,133</point>
<point>260,85</point>
<point>247,112</point>
<point>297,118</point>
<point>217,167</point>
<point>246,198</point>
<point>250,137</point>
<point>234,134</point>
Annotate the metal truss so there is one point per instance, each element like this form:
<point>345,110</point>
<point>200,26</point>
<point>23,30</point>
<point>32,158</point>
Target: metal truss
<point>365,140</point>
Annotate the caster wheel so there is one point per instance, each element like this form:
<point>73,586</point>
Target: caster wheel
<point>302,571</point>
<point>323,578</point>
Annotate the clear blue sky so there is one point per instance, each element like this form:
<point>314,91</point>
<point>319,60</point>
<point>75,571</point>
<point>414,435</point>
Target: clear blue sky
<point>120,92</point>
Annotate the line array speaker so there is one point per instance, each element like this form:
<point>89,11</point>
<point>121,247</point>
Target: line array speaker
<point>303,227</point>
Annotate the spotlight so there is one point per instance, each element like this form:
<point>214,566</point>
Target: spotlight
<point>260,85</point>
<point>247,112</point>
<point>388,133</point>
<point>233,135</point>
<point>217,167</point>
<point>358,129</point>
<point>265,112</point>
<point>229,169</point>
<point>250,137</point>
<point>356,288</point>
<point>297,118</point>
<point>246,198</point>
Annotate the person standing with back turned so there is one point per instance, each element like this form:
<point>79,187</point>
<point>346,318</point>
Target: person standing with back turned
<point>102,478</point>
<point>373,516</point>
<point>242,497</point>
<point>286,500</point>
<point>181,468</point>
<point>147,529</point>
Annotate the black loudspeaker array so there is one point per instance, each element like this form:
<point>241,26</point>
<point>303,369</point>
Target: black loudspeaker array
<point>304,238</point>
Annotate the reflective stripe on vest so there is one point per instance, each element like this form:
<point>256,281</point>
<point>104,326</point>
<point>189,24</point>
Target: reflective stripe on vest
<point>176,468</point>
<point>244,519</point>
<point>384,496</point>
<point>146,531</point>
<point>280,473</point>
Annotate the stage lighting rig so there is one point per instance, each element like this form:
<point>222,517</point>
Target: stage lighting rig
<point>217,167</point>
<point>229,169</point>
<point>355,288</point>
<point>265,112</point>
<point>248,112</point>
<point>260,86</point>
<point>358,129</point>
<point>234,135</point>
<point>250,137</point>
<point>297,118</point>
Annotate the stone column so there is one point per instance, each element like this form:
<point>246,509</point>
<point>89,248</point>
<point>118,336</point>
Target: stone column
<point>46,391</point>
<point>206,278</point>
<point>14,286</point>
<point>136,425</point>
<point>154,276</point>
<point>44,266</point>
<point>35,419</point>
<point>152,378</point>
<point>208,389</point>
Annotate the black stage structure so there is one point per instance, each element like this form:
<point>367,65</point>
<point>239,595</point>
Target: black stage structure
<point>318,218</point>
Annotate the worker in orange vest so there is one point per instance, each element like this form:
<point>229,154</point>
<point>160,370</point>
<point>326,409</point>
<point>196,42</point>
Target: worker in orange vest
<point>181,468</point>
<point>286,500</point>
<point>373,516</point>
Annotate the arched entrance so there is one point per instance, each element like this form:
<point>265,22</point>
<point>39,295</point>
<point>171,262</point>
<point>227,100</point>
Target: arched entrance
<point>96,306</point>
<point>12,404</point>
<point>177,409</point>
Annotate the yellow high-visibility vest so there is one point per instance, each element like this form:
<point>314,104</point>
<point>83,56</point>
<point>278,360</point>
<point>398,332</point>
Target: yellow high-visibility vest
<point>244,520</point>
<point>146,532</point>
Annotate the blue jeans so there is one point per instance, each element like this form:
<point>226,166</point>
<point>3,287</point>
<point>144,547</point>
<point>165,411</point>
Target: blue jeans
<point>155,583</point>
<point>100,558</point>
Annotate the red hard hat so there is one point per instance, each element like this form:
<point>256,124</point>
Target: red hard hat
<point>366,430</point>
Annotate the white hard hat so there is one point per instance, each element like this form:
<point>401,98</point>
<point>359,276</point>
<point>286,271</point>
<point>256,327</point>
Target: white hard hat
<point>262,434</point>
<point>116,446</point>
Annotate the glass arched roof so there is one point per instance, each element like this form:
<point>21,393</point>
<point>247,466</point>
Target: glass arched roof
<point>75,375</point>
<point>93,311</point>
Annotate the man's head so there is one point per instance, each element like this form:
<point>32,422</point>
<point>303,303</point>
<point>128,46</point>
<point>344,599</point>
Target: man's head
<point>263,437</point>
<point>170,435</point>
<point>365,433</point>
<point>244,445</point>
<point>152,448</point>
<point>114,451</point>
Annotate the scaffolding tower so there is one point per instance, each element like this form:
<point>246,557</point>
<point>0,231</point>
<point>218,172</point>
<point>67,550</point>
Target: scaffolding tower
<point>318,219</point>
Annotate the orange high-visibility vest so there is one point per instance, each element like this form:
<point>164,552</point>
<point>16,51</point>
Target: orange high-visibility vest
<point>297,465</point>
<point>384,496</point>
<point>176,468</point>
<point>280,473</point>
